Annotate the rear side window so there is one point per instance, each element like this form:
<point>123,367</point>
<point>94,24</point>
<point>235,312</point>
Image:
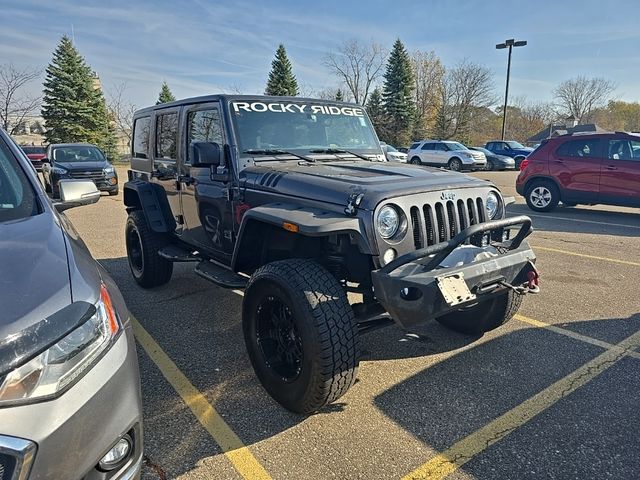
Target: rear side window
<point>414,146</point>
<point>624,150</point>
<point>17,198</point>
<point>141,129</point>
<point>588,147</point>
<point>427,146</point>
<point>204,126</point>
<point>167,136</point>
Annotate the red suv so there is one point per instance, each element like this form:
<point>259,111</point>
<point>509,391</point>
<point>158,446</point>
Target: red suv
<point>582,168</point>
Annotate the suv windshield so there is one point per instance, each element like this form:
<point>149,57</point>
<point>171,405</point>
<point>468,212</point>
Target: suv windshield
<point>455,146</point>
<point>301,126</point>
<point>29,149</point>
<point>17,198</point>
<point>77,153</point>
<point>513,144</point>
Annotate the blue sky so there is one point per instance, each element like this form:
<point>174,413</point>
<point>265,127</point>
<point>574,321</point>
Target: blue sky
<point>201,47</point>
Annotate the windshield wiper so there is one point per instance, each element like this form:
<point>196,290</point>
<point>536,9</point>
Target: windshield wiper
<point>276,151</point>
<point>335,151</point>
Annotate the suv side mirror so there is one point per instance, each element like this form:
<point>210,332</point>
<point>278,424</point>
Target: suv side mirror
<point>75,193</point>
<point>205,154</point>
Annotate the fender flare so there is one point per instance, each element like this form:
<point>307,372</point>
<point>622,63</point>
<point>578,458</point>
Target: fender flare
<point>311,222</point>
<point>152,200</point>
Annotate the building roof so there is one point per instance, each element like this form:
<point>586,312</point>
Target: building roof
<point>557,130</point>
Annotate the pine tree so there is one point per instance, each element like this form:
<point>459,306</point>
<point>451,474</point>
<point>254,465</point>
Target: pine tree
<point>375,109</point>
<point>339,97</point>
<point>165,95</point>
<point>397,95</point>
<point>282,81</point>
<point>74,107</point>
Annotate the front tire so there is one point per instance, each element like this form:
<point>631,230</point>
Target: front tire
<point>455,164</point>
<point>542,196</point>
<point>415,161</point>
<point>484,316</point>
<point>147,267</point>
<point>300,334</point>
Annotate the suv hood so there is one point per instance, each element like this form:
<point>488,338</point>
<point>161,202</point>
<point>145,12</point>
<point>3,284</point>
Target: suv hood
<point>34,278</point>
<point>98,165</point>
<point>333,182</point>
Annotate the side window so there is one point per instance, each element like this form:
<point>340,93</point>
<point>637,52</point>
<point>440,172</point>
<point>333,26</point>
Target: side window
<point>441,147</point>
<point>427,146</point>
<point>504,146</point>
<point>579,148</point>
<point>204,126</point>
<point>167,136</point>
<point>624,150</point>
<point>140,146</point>
<point>491,146</point>
<point>414,146</point>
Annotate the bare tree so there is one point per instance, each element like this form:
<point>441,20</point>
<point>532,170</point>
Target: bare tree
<point>358,66</point>
<point>121,110</point>
<point>580,96</point>
<point>428,72</point>
<point>463,89</point>
<point>15,104</point>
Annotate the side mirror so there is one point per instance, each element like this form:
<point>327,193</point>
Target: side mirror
<point>205,154</point>
<point>75,193</point>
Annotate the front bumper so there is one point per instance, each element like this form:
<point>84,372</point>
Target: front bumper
<point>408,287</point>
<point>104,183</point>
<point>71,433</point>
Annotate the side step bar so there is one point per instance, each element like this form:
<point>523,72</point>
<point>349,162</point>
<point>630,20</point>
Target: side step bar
<point>220,276</point>
<point>174,253</point>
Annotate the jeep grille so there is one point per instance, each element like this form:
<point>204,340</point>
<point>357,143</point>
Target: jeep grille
<point>441,221</point>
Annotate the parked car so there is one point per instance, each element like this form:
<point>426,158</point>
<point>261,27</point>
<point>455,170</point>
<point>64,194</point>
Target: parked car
<point>36,154</point>
<point>495,161</point>
<point>509,148</point>
<point>284,197</point>
<point>392,154</point>
<point>452,155</point>
<point>70,403</point>
<point>78,161</point>
<point>582,169</point>
<point>403,149</point>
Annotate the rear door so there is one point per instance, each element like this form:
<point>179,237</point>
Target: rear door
<point>620,173</point>
<point>576,167</point>
<point>205,204</point>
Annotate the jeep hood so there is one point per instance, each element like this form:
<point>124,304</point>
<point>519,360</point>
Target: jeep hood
<point>333,182</point>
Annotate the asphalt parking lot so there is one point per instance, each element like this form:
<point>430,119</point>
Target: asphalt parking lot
<point>552,394</point>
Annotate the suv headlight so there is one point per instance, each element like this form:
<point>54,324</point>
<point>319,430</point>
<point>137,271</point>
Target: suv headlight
<point>59,170</point>
<point>387,221</point>
<point>65,362</point>
<point>493,205</point>
<point>108,170</point>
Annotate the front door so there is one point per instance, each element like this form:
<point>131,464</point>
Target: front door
<point>576,166</point>
<point>165,155</point>
<point>620,174</point>
<point>441,157</point>
<point>205,201</point>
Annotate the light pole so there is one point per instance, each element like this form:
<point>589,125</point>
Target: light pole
<point>510,44</point>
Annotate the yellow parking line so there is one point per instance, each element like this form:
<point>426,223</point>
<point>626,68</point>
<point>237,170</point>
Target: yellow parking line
<point>239,455</point>
<point>574,335</point>
<point>583,255</point>
<point>461,452</point>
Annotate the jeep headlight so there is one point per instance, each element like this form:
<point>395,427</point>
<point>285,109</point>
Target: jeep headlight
<point>64,362</point>
<point>493,205</point>
<point>387,221</point>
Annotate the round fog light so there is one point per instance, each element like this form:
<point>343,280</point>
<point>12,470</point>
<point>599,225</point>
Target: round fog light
<point>118,453</point>
<point>389,256</point>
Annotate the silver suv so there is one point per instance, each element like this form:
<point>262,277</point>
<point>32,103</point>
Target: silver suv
<point>452,155</point>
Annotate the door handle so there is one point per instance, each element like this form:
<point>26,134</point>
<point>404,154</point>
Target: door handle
<point>611,167</point>
<point>559,161</point>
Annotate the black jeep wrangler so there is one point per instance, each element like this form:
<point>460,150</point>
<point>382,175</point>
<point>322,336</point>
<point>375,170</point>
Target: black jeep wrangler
<point>292,200</point>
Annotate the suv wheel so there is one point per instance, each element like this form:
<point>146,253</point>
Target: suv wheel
<point>484,316</point>
<point>415,160</point>
<point>455,164</point>
<point>542,196</point>
<point>300,334</point>
<point>148,268</point>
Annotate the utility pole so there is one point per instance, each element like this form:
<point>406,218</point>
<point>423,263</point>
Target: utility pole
<point>508,44</point>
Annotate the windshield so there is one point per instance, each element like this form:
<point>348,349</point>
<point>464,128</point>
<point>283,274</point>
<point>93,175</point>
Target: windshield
<point>455,146</point>
<point>78,153</point>
<point>17,198</point>
<point>28,149</point>
<point>301,126</point>
<point>391,149</point>
<point>513,144</point>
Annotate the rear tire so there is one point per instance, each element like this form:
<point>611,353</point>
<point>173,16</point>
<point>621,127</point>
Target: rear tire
<point>542,195</point>
<point>415,161</point>
<point>147,267</point>
<point>300,334</point>
<point>484,316</point>
<point>455,164</point>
